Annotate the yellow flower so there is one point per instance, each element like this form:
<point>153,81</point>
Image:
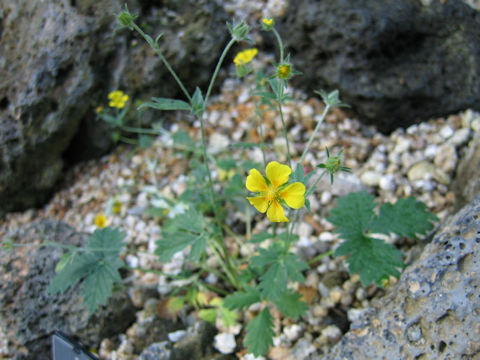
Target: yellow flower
<point>245,56</point>
<point>273,191</point>
<point>117,99</point>
<point>116,207</point>
<point>267,23</point>
<point>99,110</point>
<point>225,175</point>
<point>284,71</point>
<point>100,221</point>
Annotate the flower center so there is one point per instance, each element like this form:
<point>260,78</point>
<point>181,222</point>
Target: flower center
<point>270,195</point>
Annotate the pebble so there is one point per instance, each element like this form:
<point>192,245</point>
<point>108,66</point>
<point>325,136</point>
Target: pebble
<point>387,182</point>
<point>293,332</point>
<point>176,336</point>
<point>446,157</point>
<point>225,343</point>
<point>460,137</point>
<point>370,178</point>
<point>420,171</point>
<point>446,131</point>
<point>331,334</point>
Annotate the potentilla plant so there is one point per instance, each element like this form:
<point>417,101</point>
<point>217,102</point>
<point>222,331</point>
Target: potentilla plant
<point>278,191</point>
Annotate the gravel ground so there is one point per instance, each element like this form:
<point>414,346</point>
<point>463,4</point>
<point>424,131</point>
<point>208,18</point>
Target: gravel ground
<point>420,161</point>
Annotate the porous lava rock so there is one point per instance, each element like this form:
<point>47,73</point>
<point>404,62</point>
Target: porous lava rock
<point>58,61</point>
<point>395,62</point>
<point>433,311</point>
<point>29,317</point>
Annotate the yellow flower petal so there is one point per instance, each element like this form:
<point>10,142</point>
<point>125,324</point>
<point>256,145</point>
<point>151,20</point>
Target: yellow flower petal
<point>294,195</point>
<point>276,213</point>
<point>260,203</point>
<point>256,182</point>
<point>277,173</point>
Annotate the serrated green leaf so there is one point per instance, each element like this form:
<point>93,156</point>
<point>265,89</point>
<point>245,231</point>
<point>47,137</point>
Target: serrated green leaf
<point>98,267</point>
<point>165,104</point>
<point>242,299</point>
<point>209,315</point>
<point>173,242</point>
<point>260,333</point>
<point>290,304</point>
<point>353,214</point>
<point>198,247</point>
<point>407,217</point>
<point>97,286</point>
<point>371,258</point>
<point>281,269</point>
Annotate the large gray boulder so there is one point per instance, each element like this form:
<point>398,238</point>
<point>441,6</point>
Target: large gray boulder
<point>394,61</point>
<point>28,316</point>
<point>58,61</point>
<point>433,312</point>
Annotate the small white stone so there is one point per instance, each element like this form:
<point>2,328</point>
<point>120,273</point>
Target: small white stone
<point>387,182</point>
<point>460,137</point>
<point>332,334</point>
<point>306,111</point>
<point>176,336</point>
<point>326,236</point>
<point>355,315</point>
<point>430,151</point>
<point>420,171</point>
<point>293,332</point>
<point>402,145</point>
<point>325,198</point>
<point>446,157</point>
<point>304,229</point>
<point>446,131</point>
<point>370,178</point>
<point>131,260</point>
<point>218,142</point>
<point>225,343</point>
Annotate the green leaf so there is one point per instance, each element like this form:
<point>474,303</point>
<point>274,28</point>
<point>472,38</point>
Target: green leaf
<point>290,304</point>
<point>228,316</point>
<point>258,238</point>
<point>145,141</point>
<point>197,102</point>
<point>173,242</point>
<point>407,217</point>
<point>242,299</point>
<point>209,315</point>
<point>353,214</point>
<point>98,266</point>
<point>371,258</point>
<point>165,104</point>
<point>260,333</point>
<point>281,268</point>
<point>181,137</point>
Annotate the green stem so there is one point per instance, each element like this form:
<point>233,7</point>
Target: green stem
<point>280,43</point>
<point>320,257</point>
<point>315,131</point>
<point>138,130</point>
<point>217,69</point>
<point>285,134</point>
<point>157,50</point>
<point>127,140</point>
<point>312,188</point>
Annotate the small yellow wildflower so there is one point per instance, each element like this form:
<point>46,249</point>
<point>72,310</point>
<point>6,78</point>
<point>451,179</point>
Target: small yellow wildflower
<point>284,71</point>
<point>225,175</point>
<point>99,109</point>
<point>100,221</point>
<point>245,56</point>
<point>117,99</point>
<point>273,191</point>
<point>267,23</point>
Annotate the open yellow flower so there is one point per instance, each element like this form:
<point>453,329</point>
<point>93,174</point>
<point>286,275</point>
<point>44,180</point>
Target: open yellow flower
<point>100,221</point>
<point>245,56</point>
<point>117,99</point>
<point>273,191</point>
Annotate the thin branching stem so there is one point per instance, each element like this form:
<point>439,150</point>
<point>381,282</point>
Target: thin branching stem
<point>315,131</point>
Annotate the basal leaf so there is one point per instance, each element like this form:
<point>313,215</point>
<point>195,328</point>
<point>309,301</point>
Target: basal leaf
<point>173,242</point>
<point>274,281</point>
<point>258,238</point>
<point>290,304</point>
<point>407,217</point>
<point>371,258</point>
<point>353,214</point>
<point>260,333</point>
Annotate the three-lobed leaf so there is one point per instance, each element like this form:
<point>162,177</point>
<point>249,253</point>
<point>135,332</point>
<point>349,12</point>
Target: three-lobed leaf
<point>242,299</point>
<point>290,305</point>
<point>97,266</point>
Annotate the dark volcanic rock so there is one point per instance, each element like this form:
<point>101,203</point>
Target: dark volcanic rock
<point>28,316</point>
<point>58,61</point>
<point>433,312</point>
<point>395,62</point>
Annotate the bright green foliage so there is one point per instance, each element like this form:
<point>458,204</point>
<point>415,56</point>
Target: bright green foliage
<point>242,299</point>
<point>290,304</point>
<point>281,267</point>
<point>98,267</point>
<point>372,258</point>
<point>197,103</point>
<point>181,231</point>
<point>260,333</point>
<point>414,219</point>
<point>210,315</point>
